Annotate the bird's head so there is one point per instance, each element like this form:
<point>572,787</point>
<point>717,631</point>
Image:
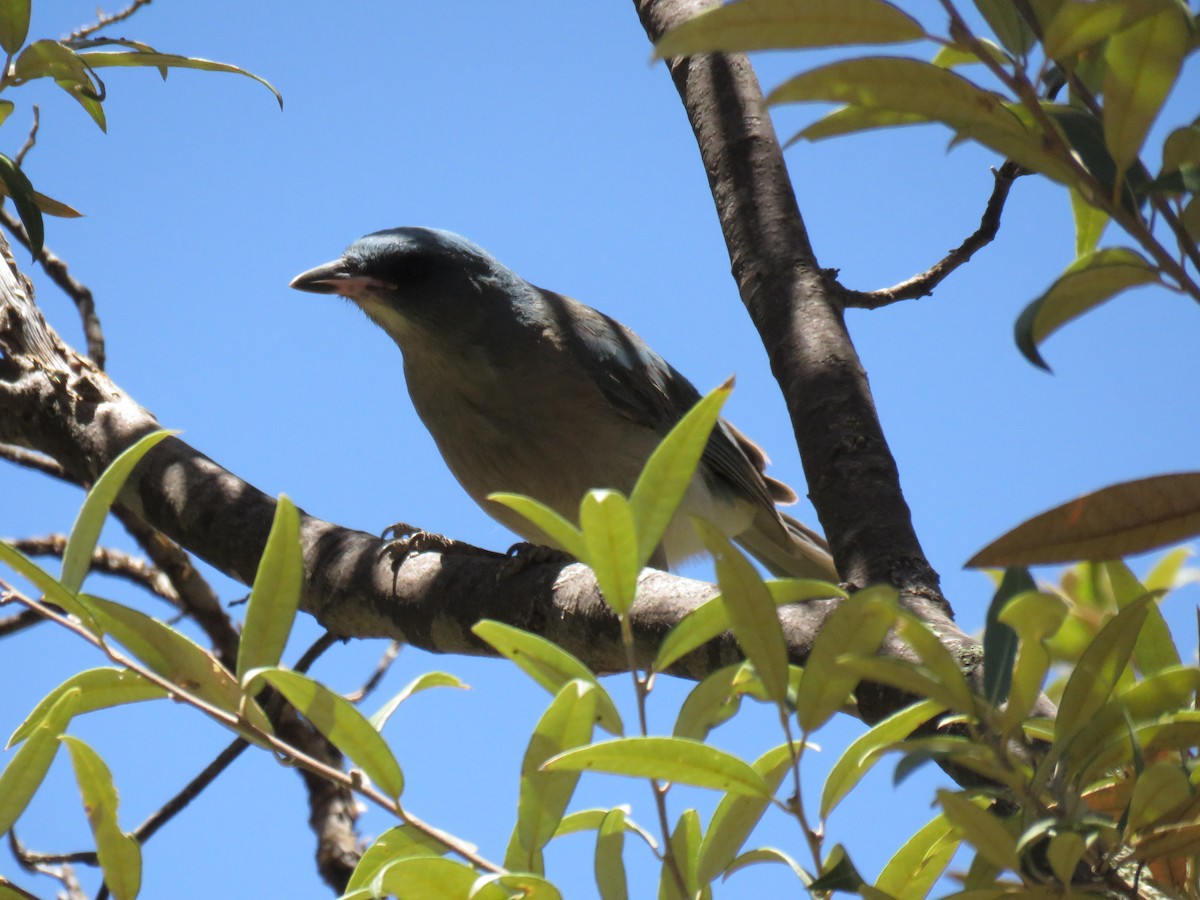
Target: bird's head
<point>416,279</point>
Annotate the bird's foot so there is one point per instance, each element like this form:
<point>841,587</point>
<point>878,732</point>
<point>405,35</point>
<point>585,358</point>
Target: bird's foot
<point>406,540</point>
<point>523,554</point>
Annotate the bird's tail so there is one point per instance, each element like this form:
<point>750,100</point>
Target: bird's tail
<point>788,547</point>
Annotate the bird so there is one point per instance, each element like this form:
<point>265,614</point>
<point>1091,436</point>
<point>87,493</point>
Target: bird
<point>528,391</point>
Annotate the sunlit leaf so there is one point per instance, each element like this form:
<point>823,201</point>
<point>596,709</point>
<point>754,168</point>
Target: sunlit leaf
<point>668,473</point>
<point>170,60</point>
<point>77,558</point>
<point>781,24</point>
<point>857,626</point>
<point>1155,649</point>
<point>713,701</point>
<point>1035,617</point>
<point>98,689</point>
<point>684,848</point>
<point>1181,148</point>
<point>503,886</point>
<point>914,869</point>
<point>953,55</point>
<point>401,842</point>
<point>119,853</point>
<point>737,815</point>
<point>606,519</point>
<point>421,683</point>
<point>750,610</point>
<point>426,878</point>
<point>340,722</point>
<point>1005,19</point>
<point>769,855</point>
<point>1143,63</point>
<point>665,758</point>
<point>1090,223</point>
<point>982,830</point>
<point>1161,788</point>
<point>14,24</point>
<point>1078,25</point>
<point>853,119</point>
<point>935,657</point>
<point>562,534</point>
<point>1116,521</point>
<point>28,766</point>
<point>609,863</point>
<point>863,752</point>
<point>275,596</point>
<point>547,664</point>
<point>54,592</point>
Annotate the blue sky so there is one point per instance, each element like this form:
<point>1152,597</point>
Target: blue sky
<point>541,131</point>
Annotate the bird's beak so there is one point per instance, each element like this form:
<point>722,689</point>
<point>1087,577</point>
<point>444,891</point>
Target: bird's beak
<point>331,278</point>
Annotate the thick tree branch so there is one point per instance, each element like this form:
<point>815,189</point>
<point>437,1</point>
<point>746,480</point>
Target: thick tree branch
<point>852,478</point>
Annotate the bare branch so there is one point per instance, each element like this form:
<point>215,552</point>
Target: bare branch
<point>922,285</point>
<point>106,560</point>
<point>31,140</point>
<point>26,618</point>
<point>104,21</point>
<point>31,459</point>
<point>385,663</point>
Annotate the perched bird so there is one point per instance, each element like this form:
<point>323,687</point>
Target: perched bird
<point>527,391</point>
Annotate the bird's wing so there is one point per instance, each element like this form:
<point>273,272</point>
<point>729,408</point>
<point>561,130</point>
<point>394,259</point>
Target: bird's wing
<point>645,388</point>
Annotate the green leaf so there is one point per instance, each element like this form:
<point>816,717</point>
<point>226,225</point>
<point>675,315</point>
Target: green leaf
<point>945,668</point>
<point>177,658</point>
<point>866,749</point>
<point>684,848</point>
<point>1086,284</point>
<point>917,88</point>
<point>671,759</point>
<point>98,689</point>
<point>524,885</point>
<point>14,24</point>
<point>751,611</point>
<point>1007,23</point>
<point>782,24</point>
<point>898,673</point>
<point>953,55</point>
<point>769,855</point>
<point>275,596</point>
<point>171,61</point>
<point>567,723</point>
<point>665,478</point>
<point>981,829</point>
<point>592,819</point>
<point>857,626</point>
<point>1161,789</point>
<point>17,186</point>
<point>340,722</point>
<point>401,842</point>
<point>6,108</point>
<point>609,863</point>
<point>547,664</point>
<point>1181,148</point>
<point>24,773</point>
<point>1095,675</point>
<point>426,878</point>
<point>1143,64</point>
<point>999,638</point>
<point>838,873</point>
<point>914,869</point>
<point>709,620</point>
<point>418,684</point>
<point>1090,223</point>
<point>1035,617</point>
<point>1116,521</point>
<point>853,119</point>
<point>714,701</point>
<point>77,558</point>
<point>1155,649</point>
<point>52,59</point>
<point>1078,25</point>
<point>54,592</point>
<point>119,853</point>
<point>606,519</point>
<point>737,815</point>
<point>561,533</point>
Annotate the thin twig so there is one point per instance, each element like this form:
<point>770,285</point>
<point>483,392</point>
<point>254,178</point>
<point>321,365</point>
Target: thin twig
<point>381,668</point>
<point>79,293</point>
<point>922,285</point>
<point>313,653</point>
<point>26,618</point>
<point>106,560</point>
<point>31,459</point>
<point>104,21</point>
<point>31,140</point>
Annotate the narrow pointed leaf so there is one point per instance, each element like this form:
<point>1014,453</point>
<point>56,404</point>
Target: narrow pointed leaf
<point>86,532</point>
<point>783,24</point>
<point>119,854</point>
<point>420,683</point>
<point>668,759</point>
<point>668,473</point>
<point>1116,521</point>
<point>1090,224</point>
<point>609,864</point>
<point>340,722</point>
<point>914,869</point>
<point>54,592</point>
<point>940,662</point>
<point>28,766</point>
<point>982,830</point>
<point>1088,282</point>
<point>547,664</point>
<point>750,610</point>
<point>18,186</point>
<point>999,638</point>
<point>684,848</point>
<point>606,520</point>
<point>1078,25</point>
<point>523,885</point>
<point>737,815</point>
<point>401,842</point>
<point>1143,62</point>
<point>1007,23</point>
<point>567,723</point>
<point>98,689</point>
<point>864,751</point>
<point>563,534</point>
<point>1095,675</point>
<point>713,701</point>
<point>853,119</point>
<point>275,596</point>
<point>426,878</point>
<point>769,855</point>
<point>1155,648</point>
<point>1035,617</point>
<point>171,61</point>
<point>857,626</point>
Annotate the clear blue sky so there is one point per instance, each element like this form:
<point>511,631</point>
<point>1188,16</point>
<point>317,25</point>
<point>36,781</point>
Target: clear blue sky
<point>539,130</point>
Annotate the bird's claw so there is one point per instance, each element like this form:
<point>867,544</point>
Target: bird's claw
<point>405,540</point>
<point>523,554</point>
